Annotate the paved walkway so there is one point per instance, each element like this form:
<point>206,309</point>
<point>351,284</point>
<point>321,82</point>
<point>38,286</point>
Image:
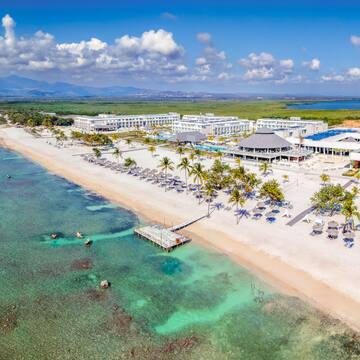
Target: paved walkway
<point>309,210</point>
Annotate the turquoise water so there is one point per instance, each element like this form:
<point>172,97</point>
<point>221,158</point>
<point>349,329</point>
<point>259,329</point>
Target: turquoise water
<point>210,147</point>
<point>328,105</point>
<point>189,304</point>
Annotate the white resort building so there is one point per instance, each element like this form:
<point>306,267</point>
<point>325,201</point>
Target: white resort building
<point>337,141</point>
<point>110,122</point>
<point>210,124</point>
<point>294,126</point>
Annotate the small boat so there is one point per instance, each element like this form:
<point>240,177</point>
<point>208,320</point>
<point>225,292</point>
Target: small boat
<point>54,235</point>
<point>8,176</point>
<point>88,242</point>
<point>79,235</point>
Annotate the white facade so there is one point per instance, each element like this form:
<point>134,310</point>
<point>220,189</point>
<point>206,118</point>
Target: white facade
<point>295,126</point>
<point>209,124</point>
<point>107,122</point>
<point>344,144</point>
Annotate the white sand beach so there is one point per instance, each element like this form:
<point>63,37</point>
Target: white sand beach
<point>322,271</point>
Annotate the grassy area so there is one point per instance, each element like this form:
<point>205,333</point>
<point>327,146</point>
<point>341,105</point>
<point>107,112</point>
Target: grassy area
<point>244,109</point>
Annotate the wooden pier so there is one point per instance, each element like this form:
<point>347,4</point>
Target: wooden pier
<point>161,236</point>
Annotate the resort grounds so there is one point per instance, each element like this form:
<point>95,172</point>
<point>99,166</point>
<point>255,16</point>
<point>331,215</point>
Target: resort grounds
<point>322,271</point>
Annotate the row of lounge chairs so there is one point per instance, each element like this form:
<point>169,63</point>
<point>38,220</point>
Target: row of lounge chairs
<point>152,176</point>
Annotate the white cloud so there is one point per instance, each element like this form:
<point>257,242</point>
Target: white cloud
<point>313,64</point>
<point>168,16</point>
<point>154,53</point>
<point>354,73</point>
<point>160,42</point>
<point>355,40</point>
<point>8,23</point>
<point>333,78</point>
<point>204,37</point>
<point>200,61</point>
<point>212,64</point>
<point>225,76</point>
<point>287,64</point>
<point>264,66</point>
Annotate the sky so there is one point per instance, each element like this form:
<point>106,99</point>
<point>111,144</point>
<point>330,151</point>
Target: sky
<point>259,47</point>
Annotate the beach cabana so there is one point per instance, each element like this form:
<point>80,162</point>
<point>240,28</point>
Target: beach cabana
<point>265,145</point>
<point>333,224</point>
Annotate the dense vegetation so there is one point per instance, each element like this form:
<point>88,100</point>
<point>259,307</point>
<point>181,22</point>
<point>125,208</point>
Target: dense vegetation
<point>35,118</point>
<point>244,109</point>
<point>92,139</point>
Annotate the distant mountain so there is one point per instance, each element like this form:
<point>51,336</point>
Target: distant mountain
<point>16,86</point>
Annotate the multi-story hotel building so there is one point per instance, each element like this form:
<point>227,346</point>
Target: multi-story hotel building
<point>108,122</point>
<point>299,126</point>
<point>209,124</point>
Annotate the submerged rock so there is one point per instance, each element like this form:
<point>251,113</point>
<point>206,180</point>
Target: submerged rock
<point>8,318</point>
<point>88,242</point>
<point>105,284</point>
<point>83,264</point>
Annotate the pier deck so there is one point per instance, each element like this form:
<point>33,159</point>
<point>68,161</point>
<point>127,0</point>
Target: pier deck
<point>163,237</point>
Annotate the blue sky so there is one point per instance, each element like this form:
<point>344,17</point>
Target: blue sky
<point>219,46</point>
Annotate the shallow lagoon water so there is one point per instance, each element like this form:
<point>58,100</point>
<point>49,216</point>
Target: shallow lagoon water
<point>327,105</point>
<point>190,304</point>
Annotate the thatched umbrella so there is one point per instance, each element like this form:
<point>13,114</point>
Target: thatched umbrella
<point>333,224</point>
<point>317,228</point>
<point>333,233</point>
<point>260,204</point>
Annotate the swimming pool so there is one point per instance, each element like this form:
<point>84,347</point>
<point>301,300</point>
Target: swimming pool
<point>329,133</point>
<point>210,147</point>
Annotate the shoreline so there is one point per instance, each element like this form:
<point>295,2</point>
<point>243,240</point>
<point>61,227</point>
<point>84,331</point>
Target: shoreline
<point>273,269</point>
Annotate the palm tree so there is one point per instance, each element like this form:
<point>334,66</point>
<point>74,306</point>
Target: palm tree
<point>96,152</point>
<point>129,162</point>
<point>238,175</point>
<point>152,150</point>
<point>236,198</point>
<point>186,167</point>
<point>180,150</point>
<point>209,192</point>
<point>325,178</point>
<point>117,154</point>
<point>251,181</point>
<point>350,210</point>
<point>264,167</point>
<point>128,141</point>
<point>271,189</point>
<point>165,165</point>
<point>198,153</point>
<point>192,157</point>
<point>197,171</point>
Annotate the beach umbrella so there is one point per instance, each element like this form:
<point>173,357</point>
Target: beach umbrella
<point>333,233</point>
<point>349,235</point>
<point>269,214</point>
<point>319,221</point>
<point>333,224</point>
<point>260,204</point>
